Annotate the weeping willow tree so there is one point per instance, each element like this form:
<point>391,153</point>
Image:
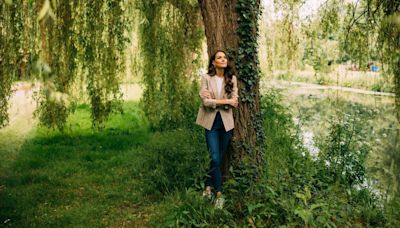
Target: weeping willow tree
<point>289,33</point>
<point>320,41</point>
<point>389,38</point>
<point>56,57</point>
<point>90,37</point>
<point>7,54</point>
<point>170,43</point>
<point>85,40</point>
<point>372,31</point>
<point>58,42</point>
<point>358,36</point>
<point>15,28</point>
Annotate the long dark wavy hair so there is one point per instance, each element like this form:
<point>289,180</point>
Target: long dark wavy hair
<point>228,72</point>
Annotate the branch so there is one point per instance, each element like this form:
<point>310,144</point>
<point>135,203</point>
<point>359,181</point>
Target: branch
<point>355,20</point>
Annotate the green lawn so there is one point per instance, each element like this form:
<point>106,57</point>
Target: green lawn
<point>76,178</point>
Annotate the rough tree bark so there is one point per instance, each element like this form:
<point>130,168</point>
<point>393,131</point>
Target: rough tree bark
<point>220,23</point>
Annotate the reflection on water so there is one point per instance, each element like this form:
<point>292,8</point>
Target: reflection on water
<point>314,107</point>
<point>308,140</point>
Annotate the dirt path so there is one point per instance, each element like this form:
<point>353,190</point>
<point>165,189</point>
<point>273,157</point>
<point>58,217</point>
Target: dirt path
<point>13,136</point>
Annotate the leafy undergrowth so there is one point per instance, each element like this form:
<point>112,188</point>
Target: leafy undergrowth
<point>294,190</point>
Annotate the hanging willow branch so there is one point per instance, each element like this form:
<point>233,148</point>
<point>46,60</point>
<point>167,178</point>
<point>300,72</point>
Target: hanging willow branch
<point>390,43</point>
<point>11,27</point>
<point>380,19</point>
<point>170,40</point>
<point>57,57</point>
<point>58,42</point>
<point>103,45</point>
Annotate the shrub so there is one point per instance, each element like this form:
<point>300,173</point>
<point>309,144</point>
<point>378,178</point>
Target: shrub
<point>166,115</point>
<point>343,153</point>
<point>173,160</point>
<point>322,79</point>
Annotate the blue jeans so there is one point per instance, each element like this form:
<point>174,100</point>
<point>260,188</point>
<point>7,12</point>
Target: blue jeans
<point>217,143</point>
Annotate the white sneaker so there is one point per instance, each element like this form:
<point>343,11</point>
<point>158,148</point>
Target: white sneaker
<point>208,195</point>
<point>219,202</point>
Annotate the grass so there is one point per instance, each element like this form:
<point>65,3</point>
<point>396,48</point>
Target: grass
<point>121,176</point>
<point>77,178</point>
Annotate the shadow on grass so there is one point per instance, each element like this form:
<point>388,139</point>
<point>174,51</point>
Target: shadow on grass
<point>79,177</point>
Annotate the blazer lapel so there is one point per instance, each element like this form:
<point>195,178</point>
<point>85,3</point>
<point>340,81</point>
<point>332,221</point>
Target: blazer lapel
<point>214,87</point>
<point>213,83</point>
<point>223,89</point>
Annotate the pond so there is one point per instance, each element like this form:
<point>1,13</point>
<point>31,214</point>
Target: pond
<point>314,107</point>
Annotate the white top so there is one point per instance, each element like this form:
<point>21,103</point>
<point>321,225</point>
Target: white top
<point>219,84</point>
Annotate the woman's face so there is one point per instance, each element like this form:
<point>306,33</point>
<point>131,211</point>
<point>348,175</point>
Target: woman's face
<point>220,60</point>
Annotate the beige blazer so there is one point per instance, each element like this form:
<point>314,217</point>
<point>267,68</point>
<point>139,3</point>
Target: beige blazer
<point>209,109</point>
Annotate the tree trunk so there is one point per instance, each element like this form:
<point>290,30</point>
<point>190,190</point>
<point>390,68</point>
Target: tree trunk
<point>221,23</point>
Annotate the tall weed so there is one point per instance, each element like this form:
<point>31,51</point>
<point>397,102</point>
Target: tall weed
<point>173,160</point>
<point>188,209</point>
<point>343,153</point>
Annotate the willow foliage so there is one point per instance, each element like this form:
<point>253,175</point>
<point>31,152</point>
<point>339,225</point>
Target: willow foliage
<point>320,38</point>
<point>358,36</point>
<point>103,46</point>
<point>58,42</point>
<point>289,32</point>
<point>389,38</point>
<point>11,52</point>
<point>372,32</point>
<point>57,59</point>
<point>170,38</point>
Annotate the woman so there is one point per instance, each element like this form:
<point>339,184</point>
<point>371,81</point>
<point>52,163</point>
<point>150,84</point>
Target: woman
<point>219,95</point>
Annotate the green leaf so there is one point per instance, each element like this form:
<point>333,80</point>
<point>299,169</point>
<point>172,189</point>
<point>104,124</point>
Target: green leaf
<point>315,206</point>
<point>252,207</point>
<point>306,215</point>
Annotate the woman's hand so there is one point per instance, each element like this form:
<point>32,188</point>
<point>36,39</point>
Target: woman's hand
<point>206,94</point>
<point>233,102</point>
